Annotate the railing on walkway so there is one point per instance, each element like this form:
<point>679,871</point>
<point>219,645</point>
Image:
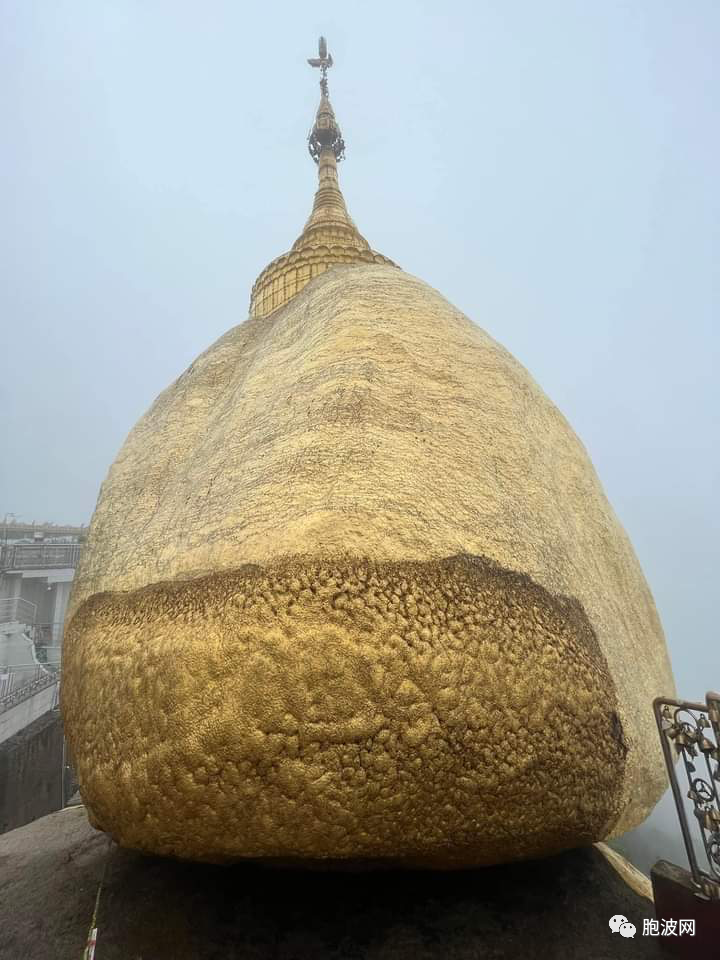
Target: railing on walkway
<point>44,678</point>
<point>15,608</point>
<point>39,556</point>
<point>15,529</point>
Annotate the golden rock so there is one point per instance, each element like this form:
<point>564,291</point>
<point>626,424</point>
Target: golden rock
<point>352,590</point>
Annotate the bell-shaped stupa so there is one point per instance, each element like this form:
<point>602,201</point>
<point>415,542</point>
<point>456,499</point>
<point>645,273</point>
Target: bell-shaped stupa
<point>353,591</point>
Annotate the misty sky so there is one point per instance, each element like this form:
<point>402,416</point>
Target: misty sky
<point>551,168</point>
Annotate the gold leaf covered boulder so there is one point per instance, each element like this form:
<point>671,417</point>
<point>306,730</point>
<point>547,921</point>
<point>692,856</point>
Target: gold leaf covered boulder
<point>352,590</point>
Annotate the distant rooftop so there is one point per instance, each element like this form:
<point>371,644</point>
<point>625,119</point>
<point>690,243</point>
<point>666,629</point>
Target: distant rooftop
<point>19,531</point>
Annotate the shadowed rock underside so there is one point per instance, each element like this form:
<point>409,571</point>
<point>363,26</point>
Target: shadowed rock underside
<point>344,709</point>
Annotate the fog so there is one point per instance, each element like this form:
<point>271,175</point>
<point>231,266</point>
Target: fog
<point>550,168</point>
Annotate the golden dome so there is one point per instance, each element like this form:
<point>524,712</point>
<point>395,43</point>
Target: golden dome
<point>329,236</point>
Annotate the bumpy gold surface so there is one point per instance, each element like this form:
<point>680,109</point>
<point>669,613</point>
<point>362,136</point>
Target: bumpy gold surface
<point>268,652</point>
<point>444,712</point>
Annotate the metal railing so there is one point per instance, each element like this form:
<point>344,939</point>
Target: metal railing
<point>39,556</point>
<point>17,676</point>
<point>17,609</point>
<point>14,529</point>
<point>691,731</point>
<point>43,679</point>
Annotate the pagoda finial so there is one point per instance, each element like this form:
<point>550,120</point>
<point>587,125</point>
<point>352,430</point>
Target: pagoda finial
<point>325,131</point>
<point>323,60</point>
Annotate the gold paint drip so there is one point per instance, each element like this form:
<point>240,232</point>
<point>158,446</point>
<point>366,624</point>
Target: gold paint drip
<point>329,236</point>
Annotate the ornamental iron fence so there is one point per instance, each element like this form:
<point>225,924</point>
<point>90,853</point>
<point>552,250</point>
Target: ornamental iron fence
<point>691,732</point>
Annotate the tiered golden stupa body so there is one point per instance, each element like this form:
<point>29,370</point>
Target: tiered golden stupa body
<point>353,591</point>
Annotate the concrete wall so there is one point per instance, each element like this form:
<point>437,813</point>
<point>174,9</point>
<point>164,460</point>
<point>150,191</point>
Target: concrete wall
<point>35,589</point>
<point>12,721</point>
<point>61,595</point>
<point>30,772</point>
<point>10,585</point>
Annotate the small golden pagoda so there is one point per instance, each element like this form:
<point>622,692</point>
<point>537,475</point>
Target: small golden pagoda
<point>329,236</point>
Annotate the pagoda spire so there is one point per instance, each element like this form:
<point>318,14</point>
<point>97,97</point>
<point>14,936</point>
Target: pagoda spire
<point>325,132</point>
<point>327,148</point>
<point>329,237</point>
